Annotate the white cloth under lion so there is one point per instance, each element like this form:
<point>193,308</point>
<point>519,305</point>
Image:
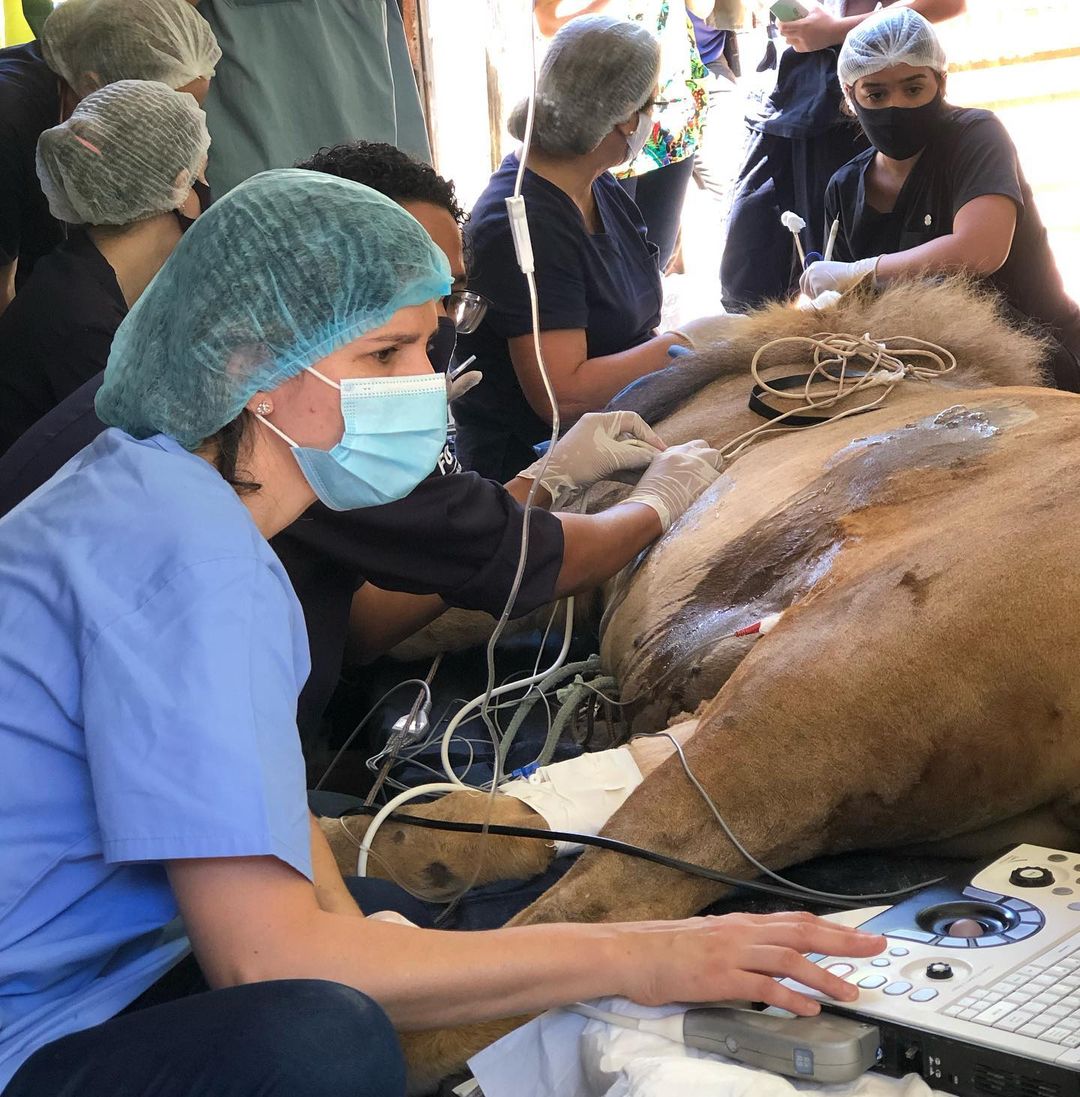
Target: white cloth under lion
<point>564,1055</point>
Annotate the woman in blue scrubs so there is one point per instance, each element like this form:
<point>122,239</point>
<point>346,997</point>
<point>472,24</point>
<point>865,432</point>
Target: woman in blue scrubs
<point>151,653</point>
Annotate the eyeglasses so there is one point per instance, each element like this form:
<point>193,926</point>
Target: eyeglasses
<point>466,309</point>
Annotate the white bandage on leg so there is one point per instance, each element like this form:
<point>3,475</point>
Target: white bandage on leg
<point>579,795</point>
<point>391,916</point>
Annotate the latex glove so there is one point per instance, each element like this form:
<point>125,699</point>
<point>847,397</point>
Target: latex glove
<point>819,277</point>
<point>703,332</point>
<point>596,446</point>
<point>461,384</point>
<point>676,478</point>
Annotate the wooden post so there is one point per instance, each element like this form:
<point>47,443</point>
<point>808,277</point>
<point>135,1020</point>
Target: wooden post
<point>476,64</point>
<point>509,67</point>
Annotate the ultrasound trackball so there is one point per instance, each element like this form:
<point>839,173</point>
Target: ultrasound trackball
<point>1031,876</point>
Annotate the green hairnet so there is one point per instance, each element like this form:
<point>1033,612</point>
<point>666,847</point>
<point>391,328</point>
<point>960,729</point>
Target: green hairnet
<point>596,73</point>
<point>280,272</point>
<point>91,43</point>
<point>128,152</point>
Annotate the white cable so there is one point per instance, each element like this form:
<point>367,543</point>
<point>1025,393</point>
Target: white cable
<point>885,368</point>
<point>367,716</point>
<point>670,1027</point>
<point>393,805</point>
<point>813,892</point>
<point>519,224</point>
<point>499,691</point>
<point>522,243</point>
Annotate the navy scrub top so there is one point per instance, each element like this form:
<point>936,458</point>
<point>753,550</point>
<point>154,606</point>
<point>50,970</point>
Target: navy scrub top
<point>457,536</point>
<point>607,283</point>
<point>29,104</point>
<point>805,101</point>
<point>970,155</point>
<point>56,334</point>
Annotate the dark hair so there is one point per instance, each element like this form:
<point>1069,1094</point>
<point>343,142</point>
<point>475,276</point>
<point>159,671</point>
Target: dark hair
<point>389,171</point>
<point>228,446</point>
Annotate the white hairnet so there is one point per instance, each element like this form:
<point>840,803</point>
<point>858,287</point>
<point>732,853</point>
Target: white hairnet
<point>274,276</point>
<point>91,43</point>
<point>128,152</point>
<point>891,37</point>
<point>596,72</point>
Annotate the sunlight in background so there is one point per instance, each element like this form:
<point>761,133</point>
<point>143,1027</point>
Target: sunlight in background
<point>1021,60</point>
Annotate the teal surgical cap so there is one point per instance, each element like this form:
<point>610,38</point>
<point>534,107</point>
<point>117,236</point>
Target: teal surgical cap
<point>280,272</point>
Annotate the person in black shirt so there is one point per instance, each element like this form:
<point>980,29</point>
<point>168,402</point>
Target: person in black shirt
<point>121,167</point>
<point>379,573</point>
<point>798,139</point>
<point>597,278</point>
<point>940,192</point>
<point>85,44</point>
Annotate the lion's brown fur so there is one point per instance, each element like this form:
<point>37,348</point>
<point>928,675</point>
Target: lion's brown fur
<point>955,313</point>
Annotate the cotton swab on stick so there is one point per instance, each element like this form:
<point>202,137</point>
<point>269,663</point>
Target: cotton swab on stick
<point>832,239</point>
<point>795,224</point>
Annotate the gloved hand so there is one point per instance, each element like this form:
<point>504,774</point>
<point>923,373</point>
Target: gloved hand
<point>700,333</point>
<point>597,445</point>
<point>818,277</point>
<point>461,384</point>
<point>676,478</point>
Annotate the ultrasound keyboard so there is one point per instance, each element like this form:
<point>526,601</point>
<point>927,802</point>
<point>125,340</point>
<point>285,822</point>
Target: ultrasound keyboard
<point>979,989</point>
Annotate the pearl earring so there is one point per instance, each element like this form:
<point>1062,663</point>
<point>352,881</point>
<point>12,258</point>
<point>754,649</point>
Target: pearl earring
<point>263,408</point>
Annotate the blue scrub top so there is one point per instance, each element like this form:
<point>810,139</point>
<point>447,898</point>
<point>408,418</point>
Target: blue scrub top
<point>151,654</point>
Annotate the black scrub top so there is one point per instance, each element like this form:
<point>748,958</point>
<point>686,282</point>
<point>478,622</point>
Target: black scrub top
<point>457,536</point>
<point>805,101</point>
<point>29,104</point>
<point>971,155</point>
<point>606,283</point>
<point>57,332</point>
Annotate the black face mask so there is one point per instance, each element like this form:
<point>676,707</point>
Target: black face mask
<point>202,192</point>
<point>900,132</point>
<point>440,348</point>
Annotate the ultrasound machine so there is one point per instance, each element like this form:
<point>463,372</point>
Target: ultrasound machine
<point>978,990</point>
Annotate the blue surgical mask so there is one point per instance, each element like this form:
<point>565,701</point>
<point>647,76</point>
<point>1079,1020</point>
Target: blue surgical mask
<point>395,430</point>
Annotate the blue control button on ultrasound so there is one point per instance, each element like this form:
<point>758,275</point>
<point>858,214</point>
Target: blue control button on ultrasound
<point>927,994</point>
<point>985,896</point>
<point>911,935</point>
<point>898,988</point>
